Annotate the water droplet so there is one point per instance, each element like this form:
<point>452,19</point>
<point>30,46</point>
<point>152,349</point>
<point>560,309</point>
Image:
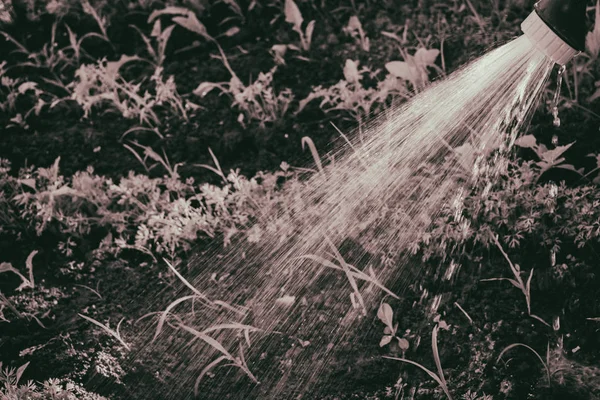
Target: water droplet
<point>555,139</point>
<point>556,99</point>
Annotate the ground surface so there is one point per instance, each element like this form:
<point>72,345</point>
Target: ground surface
<point>69,347</point>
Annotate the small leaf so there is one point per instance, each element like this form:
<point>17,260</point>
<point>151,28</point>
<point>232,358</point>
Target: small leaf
<point>385,340</point>
<point>403,344</point>
<point>191,23</point>
<point>351,72</point>
<point>402,70</point>
<point>527,142</point>
<point>232,31</point>
<point>204,88</point>
<point>426,58</point>
<point>286,300</point>
<point>20,371</point>
<point>156,29</point>
<point>293,15</point>
<point>168,11</point>
<point>309,33</point>
<point>386,315</point>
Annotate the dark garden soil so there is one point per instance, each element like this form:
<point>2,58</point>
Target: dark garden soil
<point>71,346</point>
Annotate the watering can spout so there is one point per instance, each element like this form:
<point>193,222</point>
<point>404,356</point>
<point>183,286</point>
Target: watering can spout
<point>557,28</point>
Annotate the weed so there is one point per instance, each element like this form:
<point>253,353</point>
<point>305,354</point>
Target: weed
<point>355,30</point>
<point>547,158</point>
<point>414,68</point>
<point>352,273</point>
<point>239,361</point>
<point>293,16</point>
<point>257,101</point>
<point>112,332</point>
<point>539,357</point>
<point>351,95</point>
<point>386,315</point>
<point>25,282</point>
<point>52,389</point>
<point>162,39</point>
<point>518,281</point>
<point>439,377</point>
<point>102,83</point>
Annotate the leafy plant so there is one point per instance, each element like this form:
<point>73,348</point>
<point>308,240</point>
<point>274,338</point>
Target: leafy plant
<point>161,38</point>
<point>52,389</point>
<point>256,101</point>
<point>439,377</point>
<point>355,30</point>
<point>112,332</point>
<point>539,357</point>
<point>414,68</point>
<point>352,274</point>
<point>293,16</point>
<point>386,315</point>
<point>547,158</point>
<point>102,83</point>
<point>518,281</point>
<point>351,95</point>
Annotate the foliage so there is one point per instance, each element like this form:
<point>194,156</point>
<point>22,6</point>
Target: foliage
<point>293,16</point>
<point>352,95</point>
<point>162,216</point>
<point>11,388</point>
<point>257,101</point>
<point>102,83</point>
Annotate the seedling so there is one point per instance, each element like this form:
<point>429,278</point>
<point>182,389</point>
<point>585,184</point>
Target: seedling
<point>517,281</point>
<point>294,16</point>
<point>25,282</point>
<point>112,332</point>
<point>539,357</point>
<point>352,273</point>
<point>161,38</point>
<point>355,29</point>
<point>239,361</point>
<point>547,158</point>
<point>414,69</point>
<point>386,315</point>
<point>439,377</point>
<point>351,95</point>
<point>307,141</point>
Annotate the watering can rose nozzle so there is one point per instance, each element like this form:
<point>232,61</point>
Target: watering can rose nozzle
<point>557,28</point>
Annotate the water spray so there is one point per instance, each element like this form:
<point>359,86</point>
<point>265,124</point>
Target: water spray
<point>557,28</point>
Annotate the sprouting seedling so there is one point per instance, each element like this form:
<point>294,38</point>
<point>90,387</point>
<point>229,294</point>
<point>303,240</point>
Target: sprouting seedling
<point>539,357</point>
<point>352,273</point>
<point>547,158</point>
<point>25,282</point>
<point>141,129</point>
<point>414,68</point>
<point>439,377</point>
<point>149,153</point>
<point>112,332</point>
<point>386,315</point>
<point>355,29</point>
<point>239,361</point>
<point>307,141</point>
<point>294,16</point>
<point>12,375</point>
<point>201,295</point>
<point>216,169</point>
<point>100,21</point>
<point>161,37</point>
<point>517,282</point>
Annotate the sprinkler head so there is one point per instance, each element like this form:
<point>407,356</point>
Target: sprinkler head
<point>557,28</point>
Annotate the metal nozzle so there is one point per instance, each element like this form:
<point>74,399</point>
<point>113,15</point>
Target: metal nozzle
<point>557,28</point>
